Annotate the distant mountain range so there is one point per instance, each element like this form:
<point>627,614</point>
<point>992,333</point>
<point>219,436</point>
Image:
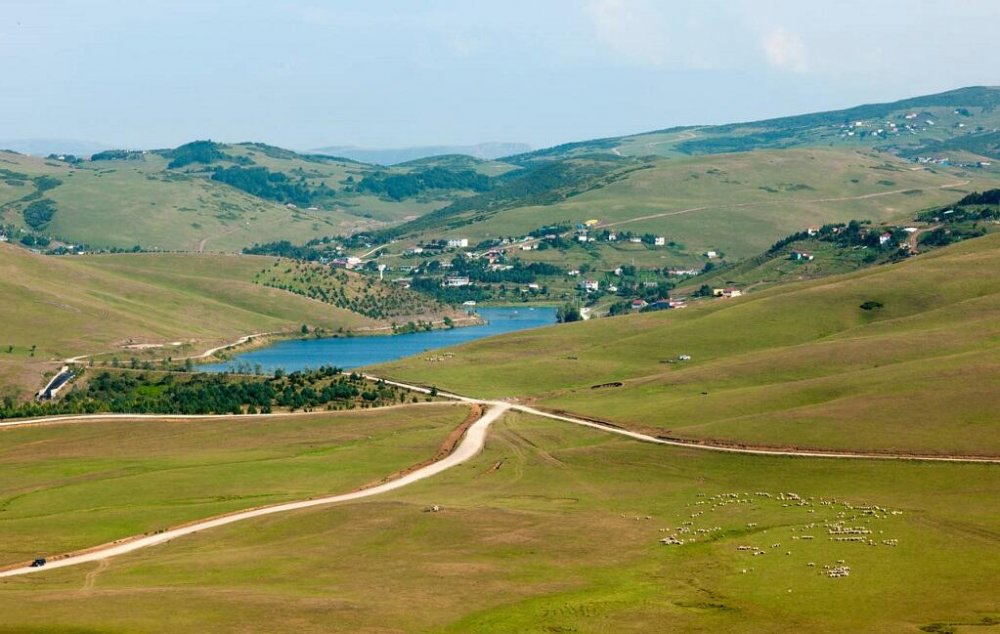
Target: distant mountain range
<point>44,147</point>
<point>392,156</point>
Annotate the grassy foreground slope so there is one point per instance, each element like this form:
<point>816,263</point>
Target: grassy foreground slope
<point>78,485</point>
<point>798,365</point>
<point>547,531</point>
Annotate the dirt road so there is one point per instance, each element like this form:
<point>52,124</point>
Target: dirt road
<point>471,445</point>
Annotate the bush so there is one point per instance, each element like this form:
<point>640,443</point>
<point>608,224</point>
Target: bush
<point>39,213</point>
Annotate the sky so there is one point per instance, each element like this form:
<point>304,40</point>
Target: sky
<point>379,73</point>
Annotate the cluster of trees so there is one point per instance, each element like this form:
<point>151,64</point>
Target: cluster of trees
<point>167,393</point>
<point>853,234</point>
<point>45,183</point>
<point>284,249</point>
<point>205,152</point>
<point>118,155</point>
<point>942,236</point>
<point>39,212</point>
<point>277,186</point>
<point>555,229</point>
<point>536,184</point>
<point>365,296</point>
<point>478,271</point>
<point>400,186</point>
<point>568,312</point>
<point>72,159</point>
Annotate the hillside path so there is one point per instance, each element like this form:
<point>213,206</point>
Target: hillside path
<point>472,443</point>
<point>679,212</point>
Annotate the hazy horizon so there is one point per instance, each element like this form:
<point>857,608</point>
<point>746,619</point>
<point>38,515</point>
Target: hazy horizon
<point>308,74</point>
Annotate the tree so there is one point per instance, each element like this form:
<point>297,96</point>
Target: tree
<point>567,313</point>
<point>305,329</point>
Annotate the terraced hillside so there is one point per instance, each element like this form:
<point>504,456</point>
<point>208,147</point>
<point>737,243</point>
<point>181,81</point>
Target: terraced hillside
<point>899,357</point>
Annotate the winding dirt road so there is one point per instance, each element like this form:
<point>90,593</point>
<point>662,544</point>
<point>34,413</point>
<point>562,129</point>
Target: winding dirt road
<point>472,443</point>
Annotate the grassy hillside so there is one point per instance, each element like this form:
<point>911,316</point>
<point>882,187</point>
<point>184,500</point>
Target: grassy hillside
<point>211,197</point>
<point>914,126</point>
<point>797,365</point>
<point>547,531</point>
<point>737,188</point>
<point>740,204</point>
<point>94,304</point>
<point>108,480</point>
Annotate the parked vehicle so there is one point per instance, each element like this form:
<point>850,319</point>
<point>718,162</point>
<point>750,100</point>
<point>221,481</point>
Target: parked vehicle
<point>38,563</point>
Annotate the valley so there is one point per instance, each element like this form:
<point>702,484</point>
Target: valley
<point>769,402</point>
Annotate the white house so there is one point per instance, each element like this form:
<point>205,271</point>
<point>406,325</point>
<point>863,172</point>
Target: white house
<point>710,254</point>
<point>659,241</point>
<point>456,280</point>
<point>590,285</point>
<point>458,243</point>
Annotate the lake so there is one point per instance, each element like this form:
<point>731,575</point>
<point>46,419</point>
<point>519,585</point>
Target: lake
<point>353,352</point>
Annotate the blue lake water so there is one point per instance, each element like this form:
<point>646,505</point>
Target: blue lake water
<point>353,352</point>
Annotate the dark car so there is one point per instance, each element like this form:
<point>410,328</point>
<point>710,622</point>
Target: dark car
<point>38,563</point>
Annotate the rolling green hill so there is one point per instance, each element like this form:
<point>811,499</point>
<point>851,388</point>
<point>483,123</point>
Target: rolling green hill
<point>737,188</point>
<point>212,197</point>
<point>898,357</point>
<point>909,126</point>
<point>206,196</point>
<point>54,308</point>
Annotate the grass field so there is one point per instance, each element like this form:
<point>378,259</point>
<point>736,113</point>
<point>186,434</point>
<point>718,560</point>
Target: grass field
<point>797,365</point>
<point>546,531</point>
<point>73,486</point>
<point>68,306</point>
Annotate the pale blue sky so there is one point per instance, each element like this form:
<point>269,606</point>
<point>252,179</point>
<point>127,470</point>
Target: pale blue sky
<point>309,73</point>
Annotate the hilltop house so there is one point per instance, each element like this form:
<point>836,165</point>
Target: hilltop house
<point>726,292</point>
<point>350,262</point>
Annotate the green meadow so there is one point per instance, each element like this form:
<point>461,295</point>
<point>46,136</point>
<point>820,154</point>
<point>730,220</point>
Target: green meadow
<point>78,485</point>
<point>556,528</point>
<point>800,365</point>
